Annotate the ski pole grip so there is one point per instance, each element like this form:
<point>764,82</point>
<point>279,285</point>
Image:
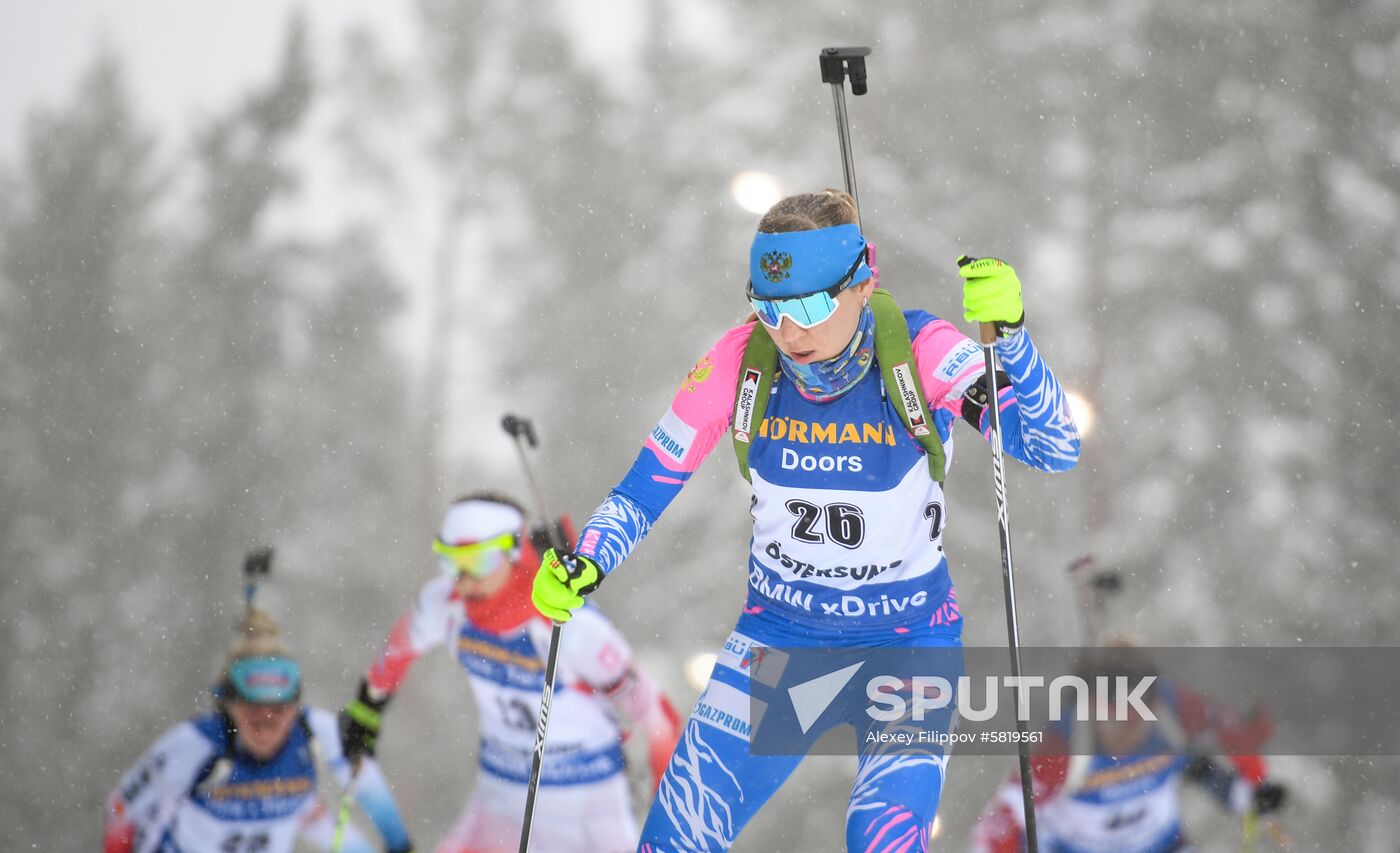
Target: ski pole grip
<point>517,427</point>
<point>256,563</point>
<point>837,62</point>
<point>1107,581</point>
<point>856,68</point>
<point>989,333</point>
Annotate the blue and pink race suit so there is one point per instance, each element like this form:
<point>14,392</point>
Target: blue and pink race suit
<point>846,551</point>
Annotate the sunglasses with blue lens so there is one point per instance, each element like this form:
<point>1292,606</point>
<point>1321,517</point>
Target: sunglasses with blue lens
<point>265,680</point>
<point>805,309</point>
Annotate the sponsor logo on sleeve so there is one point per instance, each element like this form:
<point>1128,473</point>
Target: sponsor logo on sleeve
<point>743,410</point>
<point>673,435</point>
<point>909,398</point>
<point>956,360</point>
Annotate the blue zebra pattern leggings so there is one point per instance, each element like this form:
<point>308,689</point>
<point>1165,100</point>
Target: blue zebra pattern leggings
<point>715,784</point>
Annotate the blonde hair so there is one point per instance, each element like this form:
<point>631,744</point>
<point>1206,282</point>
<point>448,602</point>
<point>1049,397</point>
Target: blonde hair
<point>258,637</point>
<point>1117,654</point>
<point>810,211</point>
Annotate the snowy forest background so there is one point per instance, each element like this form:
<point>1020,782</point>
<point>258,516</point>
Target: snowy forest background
<point>299,323</point>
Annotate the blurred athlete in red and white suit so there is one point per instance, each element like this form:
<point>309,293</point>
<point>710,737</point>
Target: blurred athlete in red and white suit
<point>479,608</point>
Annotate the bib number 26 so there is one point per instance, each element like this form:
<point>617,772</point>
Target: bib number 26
<point>842,523</point>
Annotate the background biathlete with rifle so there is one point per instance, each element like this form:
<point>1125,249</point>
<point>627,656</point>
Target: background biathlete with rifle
<point>840,408</point>
<point>478,607</point>
<point>1116,784</point>
<point>243,778</point>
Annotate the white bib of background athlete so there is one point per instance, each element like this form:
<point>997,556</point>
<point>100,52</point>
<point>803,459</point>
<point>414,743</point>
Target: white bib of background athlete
<point>196,831</point>
<point>507,678</point>
<point>1130,807</point>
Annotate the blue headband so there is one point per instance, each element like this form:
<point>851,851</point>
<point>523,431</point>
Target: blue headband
<point>792,263</point>
<point>265,681</point>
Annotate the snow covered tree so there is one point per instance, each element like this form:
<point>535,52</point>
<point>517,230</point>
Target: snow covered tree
<point>78,247</point>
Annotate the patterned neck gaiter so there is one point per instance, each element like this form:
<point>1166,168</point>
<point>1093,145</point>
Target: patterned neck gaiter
<point>824,381</point>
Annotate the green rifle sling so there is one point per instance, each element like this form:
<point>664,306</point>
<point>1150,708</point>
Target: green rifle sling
<point>893,352</point>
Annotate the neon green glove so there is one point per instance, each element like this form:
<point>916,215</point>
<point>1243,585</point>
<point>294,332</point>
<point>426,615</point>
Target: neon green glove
<point>562,582</point>
<point>991,292</point>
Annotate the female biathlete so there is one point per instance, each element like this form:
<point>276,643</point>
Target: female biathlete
<point>828,395</point>
<point>244,778</point>
<point>478,608</point>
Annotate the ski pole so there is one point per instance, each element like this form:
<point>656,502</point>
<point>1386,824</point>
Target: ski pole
<point>1271,828</point>
<point>1251,830</point>
<point>523,432</point>
<point>1008,575</point>
<point>836,63</point>
<point>256,566</point>
<point>342,820</point>
<point>1094,589</point>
